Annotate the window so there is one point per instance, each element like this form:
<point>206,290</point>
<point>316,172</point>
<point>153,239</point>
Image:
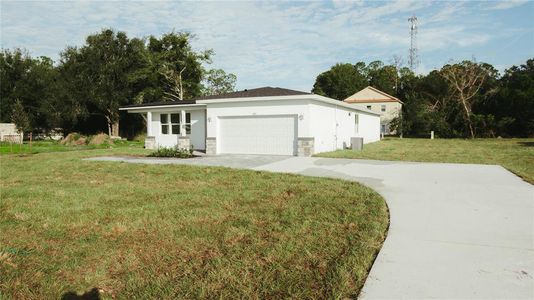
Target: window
<point>356,123</point>
<point>383,107</point>
<point>368,106</point>
<point>171,123</point>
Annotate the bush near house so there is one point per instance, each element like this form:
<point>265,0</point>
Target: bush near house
<point>172,152</point>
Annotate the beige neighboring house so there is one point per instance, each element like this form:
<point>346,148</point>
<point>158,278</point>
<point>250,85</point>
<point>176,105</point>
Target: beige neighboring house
<point>9,133</point>
<point>388,106</point>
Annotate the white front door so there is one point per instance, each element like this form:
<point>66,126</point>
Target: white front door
<point>276,134</point>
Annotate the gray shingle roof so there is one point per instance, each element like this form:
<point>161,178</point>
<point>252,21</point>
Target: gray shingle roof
<point>258,92</point>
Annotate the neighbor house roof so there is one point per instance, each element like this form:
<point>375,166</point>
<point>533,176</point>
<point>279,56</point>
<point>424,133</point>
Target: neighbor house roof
<point>258,92</point>
<point>370,95</point>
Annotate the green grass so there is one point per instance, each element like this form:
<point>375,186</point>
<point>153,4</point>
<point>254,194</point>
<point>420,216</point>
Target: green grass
<point>517,155</point>
<point>169,231</point>
<point>54,146</point>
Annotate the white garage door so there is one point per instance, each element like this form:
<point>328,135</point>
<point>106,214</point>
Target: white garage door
<point>258,134</point>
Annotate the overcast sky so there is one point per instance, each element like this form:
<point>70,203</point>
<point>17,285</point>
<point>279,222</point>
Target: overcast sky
<point>286,44</point>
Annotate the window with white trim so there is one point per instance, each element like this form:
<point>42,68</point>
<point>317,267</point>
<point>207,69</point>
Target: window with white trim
<point>383,107</point>
<point>171,123</point>
<point>369,107</point>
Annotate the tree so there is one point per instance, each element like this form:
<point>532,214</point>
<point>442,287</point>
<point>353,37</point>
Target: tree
<point>107,65</point>
<point>341,81</point>
<point>514,100</point>
<point>217,82</point>
<point>466,79</point>
<point>175,70</point>
<point>33,83</point>
<point>173,83</point>
<point>20,117</point>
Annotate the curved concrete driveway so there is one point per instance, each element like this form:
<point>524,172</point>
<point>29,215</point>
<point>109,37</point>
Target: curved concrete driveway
<point>457,230</point>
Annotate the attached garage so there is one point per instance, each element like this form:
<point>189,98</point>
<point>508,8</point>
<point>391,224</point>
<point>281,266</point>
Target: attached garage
<point>273,134</point>
<point>272,121</point>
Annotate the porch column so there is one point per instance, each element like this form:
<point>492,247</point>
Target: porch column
<point>182,123</point>
<point>149,123</point>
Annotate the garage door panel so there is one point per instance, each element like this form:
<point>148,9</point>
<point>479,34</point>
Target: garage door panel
<point>258,134</point>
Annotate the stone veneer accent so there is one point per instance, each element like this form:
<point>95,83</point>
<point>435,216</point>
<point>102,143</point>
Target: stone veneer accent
<point>150,142</point>
<point>211,146</point>
<point>305,146</point>
<point>184,142</point>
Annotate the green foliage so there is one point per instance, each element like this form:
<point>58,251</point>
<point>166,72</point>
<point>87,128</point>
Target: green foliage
<point>106,67</point>
<point>172,152</point>
<point>20,117</point>
<point>33,83</point>
<point>89,83</point>
<point>173,51</point>
<point>341,81</point>
<point>217,82</point>
<point>497,106</point>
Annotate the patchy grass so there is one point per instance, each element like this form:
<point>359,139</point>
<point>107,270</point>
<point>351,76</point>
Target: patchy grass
<point>169,231</point>
<point>54,146</point>
<point>517,155</point>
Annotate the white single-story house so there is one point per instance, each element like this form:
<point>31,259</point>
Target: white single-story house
<point>258,121</point>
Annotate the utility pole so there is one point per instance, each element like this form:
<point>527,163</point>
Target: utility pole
<point>413,58</point>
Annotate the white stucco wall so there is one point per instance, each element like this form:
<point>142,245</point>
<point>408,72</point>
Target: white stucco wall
<point>333,126</point>
<point>257,108</point>
<point>329,123</point>
<point>198,129</point>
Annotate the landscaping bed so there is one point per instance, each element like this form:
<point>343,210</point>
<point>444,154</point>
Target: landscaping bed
<point>176,231</point>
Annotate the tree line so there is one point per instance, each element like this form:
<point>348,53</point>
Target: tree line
<point>463,99</point>
<point>85,88</point>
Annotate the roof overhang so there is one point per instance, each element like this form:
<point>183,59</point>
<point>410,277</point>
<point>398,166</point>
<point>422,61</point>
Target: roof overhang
<point>147,108</point>
<point>293,97</point>
<point>200,104</point>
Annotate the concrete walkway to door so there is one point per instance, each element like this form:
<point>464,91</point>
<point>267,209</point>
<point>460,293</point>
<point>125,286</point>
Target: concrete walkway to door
<point>457,230</point>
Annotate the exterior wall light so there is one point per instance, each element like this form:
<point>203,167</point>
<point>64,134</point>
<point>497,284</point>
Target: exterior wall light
<point>301,117</point>
<point>209,119</point>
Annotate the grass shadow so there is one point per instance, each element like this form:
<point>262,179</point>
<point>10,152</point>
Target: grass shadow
<point>526,144</point>
<point>93,294</point>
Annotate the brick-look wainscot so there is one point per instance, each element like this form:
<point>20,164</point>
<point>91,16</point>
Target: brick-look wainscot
<point>305,146</point>
<point>150,142</point>
<point>211,146</point>
<point>184,142</point>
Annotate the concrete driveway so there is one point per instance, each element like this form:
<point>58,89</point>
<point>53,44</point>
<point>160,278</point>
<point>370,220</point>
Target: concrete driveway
<point>457,230</point>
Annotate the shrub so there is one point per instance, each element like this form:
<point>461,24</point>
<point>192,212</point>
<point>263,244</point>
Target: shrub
<point>140,137</point>
<point>100,139</point>
<point>172,152</point>
<point>74,139</point>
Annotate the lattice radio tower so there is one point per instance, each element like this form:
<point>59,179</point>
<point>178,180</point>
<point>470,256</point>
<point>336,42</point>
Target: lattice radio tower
<point>413,58</point>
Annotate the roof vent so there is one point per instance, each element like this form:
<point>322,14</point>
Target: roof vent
<point>245,90</point>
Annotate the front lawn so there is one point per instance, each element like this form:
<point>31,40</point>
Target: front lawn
<point>173,232</point>
<point>517,155</point>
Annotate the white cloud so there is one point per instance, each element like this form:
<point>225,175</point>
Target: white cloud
<point>264,43</point>
<point>506,4</point>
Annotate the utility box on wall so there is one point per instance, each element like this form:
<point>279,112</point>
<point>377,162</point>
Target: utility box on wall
<point>356,143</point>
